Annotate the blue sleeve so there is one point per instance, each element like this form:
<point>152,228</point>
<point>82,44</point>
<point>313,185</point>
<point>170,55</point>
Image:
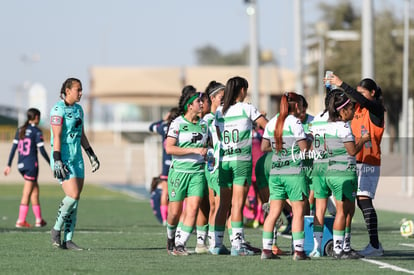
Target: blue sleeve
<point>40,141</point>
<point>13,149</point>
<point>154,126</point>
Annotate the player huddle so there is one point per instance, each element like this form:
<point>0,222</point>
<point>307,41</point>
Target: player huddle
<point>307,161</point>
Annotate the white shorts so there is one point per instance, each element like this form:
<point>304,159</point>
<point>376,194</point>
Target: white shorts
<point>368,177</point>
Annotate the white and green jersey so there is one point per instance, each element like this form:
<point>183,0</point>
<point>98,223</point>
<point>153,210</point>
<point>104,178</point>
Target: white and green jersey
<point>289,159</point>
<point>236,131</point>
<point>305,124</point>
<point>338,133</point>
<point>209,118</point>
<point>318,128</point>
<point>188,135</point>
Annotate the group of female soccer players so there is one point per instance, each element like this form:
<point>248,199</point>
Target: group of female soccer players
<point>210,140</point>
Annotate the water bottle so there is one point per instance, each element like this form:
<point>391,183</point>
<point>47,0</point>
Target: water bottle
<point>210,160</point>
<point>367,144</point>
<point>328,74</point>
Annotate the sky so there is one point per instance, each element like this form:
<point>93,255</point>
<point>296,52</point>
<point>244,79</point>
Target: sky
<point>47,41</point>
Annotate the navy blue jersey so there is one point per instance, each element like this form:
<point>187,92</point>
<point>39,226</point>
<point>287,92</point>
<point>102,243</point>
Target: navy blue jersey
<point>161,128</point>
<point>27,147</point>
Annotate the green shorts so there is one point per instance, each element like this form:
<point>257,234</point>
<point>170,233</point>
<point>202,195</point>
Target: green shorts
<point>319,184</point>
<point>213,181</point>
<point>292,187</point>
<point>343,184</point>
<point>182,185</point>
<point>307,166</point>
<point>262,169</point>
<point>235,172</point>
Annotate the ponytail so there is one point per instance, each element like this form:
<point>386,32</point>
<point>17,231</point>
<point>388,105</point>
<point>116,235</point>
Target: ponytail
<point>284,111</point>
<point>31,115</point>
<point>287,105</point>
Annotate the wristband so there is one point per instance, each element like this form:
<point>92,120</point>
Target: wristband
<point>89,151</point>
<point>56,155</point>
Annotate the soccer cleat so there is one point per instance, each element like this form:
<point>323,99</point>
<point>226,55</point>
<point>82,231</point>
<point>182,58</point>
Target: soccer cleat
<point>299,256</point>
<point>69,245</point>
<point>315,254</point>
<point>180,250</point>
<point>242,251</point>
<point>255,250</point>
<point>268,255</point>
<point>41,223</point>
<point>55,238</point>
<point>170,246</point>
<point>370,251</point>
<point>23,224</point>
<point>276,250</point>
<point>352,254</point>
<point>201,249</point>
<point>338,256</point>
<point>219,250</point>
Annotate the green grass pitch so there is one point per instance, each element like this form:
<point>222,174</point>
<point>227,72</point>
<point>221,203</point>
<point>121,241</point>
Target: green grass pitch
<point>123,237</point>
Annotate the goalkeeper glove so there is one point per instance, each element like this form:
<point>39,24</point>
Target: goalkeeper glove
<point>93,159</point>
<point>60,170</point>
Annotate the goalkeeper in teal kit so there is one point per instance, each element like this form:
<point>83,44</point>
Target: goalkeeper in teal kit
<point>67,139</point>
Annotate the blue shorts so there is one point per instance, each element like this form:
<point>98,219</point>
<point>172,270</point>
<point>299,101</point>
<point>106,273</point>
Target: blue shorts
<point>29,173</point>
<point>156,203</point>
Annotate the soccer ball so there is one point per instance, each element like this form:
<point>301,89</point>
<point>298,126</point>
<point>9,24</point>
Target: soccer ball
<point>407,229</point>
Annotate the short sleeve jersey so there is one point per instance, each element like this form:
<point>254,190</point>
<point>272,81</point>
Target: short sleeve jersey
<point>27,147</point>
<point>338,133</point>
<point>318,128</point>
<point>71,120</point>
<point>188,135</point>
<point>289,159</point>
<point>236,131</point>
<point>305,124</point>
<point>209,118</point>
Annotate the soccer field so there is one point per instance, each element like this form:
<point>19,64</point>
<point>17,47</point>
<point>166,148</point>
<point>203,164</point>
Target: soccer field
<point>123,237</point>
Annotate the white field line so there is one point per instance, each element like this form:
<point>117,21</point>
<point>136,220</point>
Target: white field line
<point>389,266</point>
<point>407,244</point>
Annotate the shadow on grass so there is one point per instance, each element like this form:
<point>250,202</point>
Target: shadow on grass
<point>132,248</point>
<point>403,255</point>
<point>22,230</point>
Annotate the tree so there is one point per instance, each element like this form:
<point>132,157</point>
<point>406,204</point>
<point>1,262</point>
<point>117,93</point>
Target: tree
<point>344,57</point>
<point>209,55</point>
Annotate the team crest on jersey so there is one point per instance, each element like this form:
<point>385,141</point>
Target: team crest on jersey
<point>56,120</point>
<point>203,128</point>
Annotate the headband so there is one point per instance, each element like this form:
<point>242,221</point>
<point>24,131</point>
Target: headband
<point>189,101</point>
<point>221,87</point>
<point>343,105</point>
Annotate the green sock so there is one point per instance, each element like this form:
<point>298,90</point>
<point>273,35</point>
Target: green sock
<point>64,212</point>
<point>70,223</point>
